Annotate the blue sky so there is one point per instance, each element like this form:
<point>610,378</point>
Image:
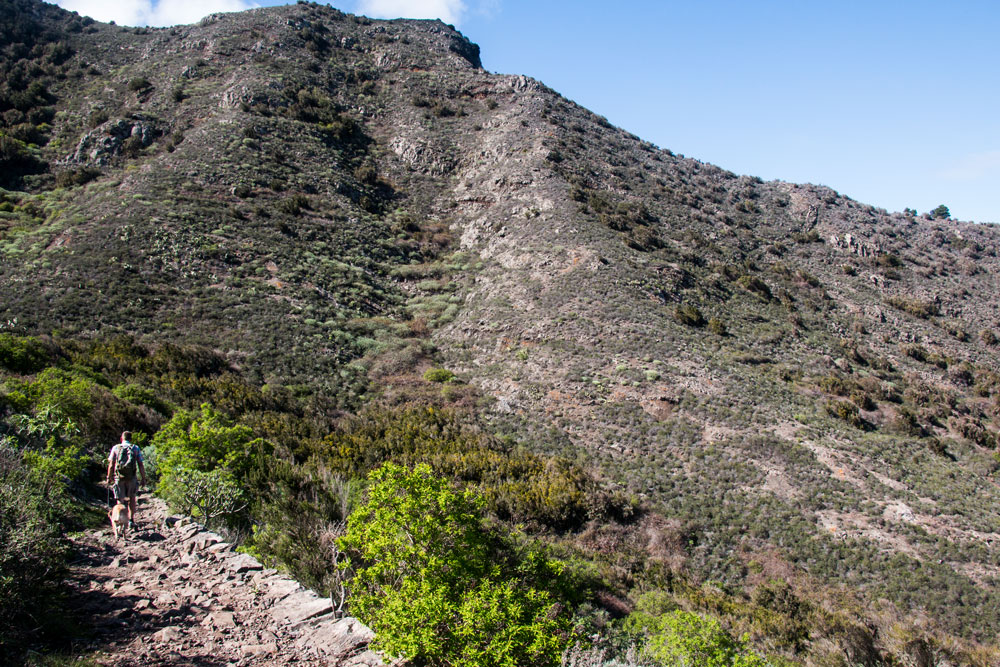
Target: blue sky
<point>893,103</point>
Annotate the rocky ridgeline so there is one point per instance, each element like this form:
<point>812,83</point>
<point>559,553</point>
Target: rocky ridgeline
<point>173,593</point>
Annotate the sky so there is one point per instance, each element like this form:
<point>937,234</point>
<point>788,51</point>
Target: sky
<point>895,103</point>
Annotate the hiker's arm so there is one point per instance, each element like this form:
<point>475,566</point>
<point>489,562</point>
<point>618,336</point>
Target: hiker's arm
<point>111,465</point>
<point>142,471</point>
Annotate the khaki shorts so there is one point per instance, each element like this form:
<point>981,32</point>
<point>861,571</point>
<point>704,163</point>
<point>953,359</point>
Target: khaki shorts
<point>126,488</point>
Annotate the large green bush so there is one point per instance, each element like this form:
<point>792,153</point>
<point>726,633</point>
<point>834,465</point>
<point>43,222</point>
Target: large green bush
<point>682,638</point>
<point>430,578</point>
<point>193,444</point>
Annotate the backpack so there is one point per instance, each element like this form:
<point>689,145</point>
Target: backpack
<point>127,462</point>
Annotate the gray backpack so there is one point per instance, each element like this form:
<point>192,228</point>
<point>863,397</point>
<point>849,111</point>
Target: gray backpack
<point>127,462</point>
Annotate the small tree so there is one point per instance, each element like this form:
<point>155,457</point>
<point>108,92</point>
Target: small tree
<point>429,579</point>
<point>210,495</point>
<point>941,212</point>
<point>192,443</point>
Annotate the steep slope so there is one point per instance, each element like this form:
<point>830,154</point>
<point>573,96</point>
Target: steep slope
<point>804,381</point>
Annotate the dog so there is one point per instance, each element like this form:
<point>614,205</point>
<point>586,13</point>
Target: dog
<point>119,520</point>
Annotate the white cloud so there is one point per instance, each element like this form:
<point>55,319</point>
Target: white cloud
<point>449,11</point>
<point>973,167</point>
<point>153,12</point>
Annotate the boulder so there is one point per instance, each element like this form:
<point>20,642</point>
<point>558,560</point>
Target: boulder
<point>299,607</point>
<point>243,563</point>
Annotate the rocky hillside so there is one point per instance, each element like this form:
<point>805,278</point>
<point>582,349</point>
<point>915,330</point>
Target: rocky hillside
<point>807,385</point>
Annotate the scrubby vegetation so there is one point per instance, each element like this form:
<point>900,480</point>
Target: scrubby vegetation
<point>507,537</point>
<point>743,418</point>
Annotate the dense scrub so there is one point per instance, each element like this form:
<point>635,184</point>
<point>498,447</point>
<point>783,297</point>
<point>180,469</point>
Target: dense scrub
<point>294,483</point>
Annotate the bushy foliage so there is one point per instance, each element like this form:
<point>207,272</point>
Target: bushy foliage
<point>683,638</point>
<point>298,511</point>
<point>139,84</point>
<point>717,326</point>
<point>430,578</point>
<point>755,285</point>
<point>847,411</point>
<point>195,448</point>
<point>32,551</point>
<point>915,307</point>
<point>22,354</point>
<point>689,315</point>
<point>438,375</point>
<point>211,495</point>
<point>516,484</point>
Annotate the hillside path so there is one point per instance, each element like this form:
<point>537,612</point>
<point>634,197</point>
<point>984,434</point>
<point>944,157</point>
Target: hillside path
<point>175,594</point>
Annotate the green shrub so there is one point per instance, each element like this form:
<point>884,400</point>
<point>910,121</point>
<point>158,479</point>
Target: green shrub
<point>755,285</point>
<point>888,261</point>
<point>298,511</point>
<point>202,442</point>
<point>64,391</point>
<point>716,326</point>
<point>139,395</point>
<point>81,176</point>
<point>682,638</point>
<point>915,307</point>
<point>58,464</point>
<point>689,315</point>
<point>210,496</point>
<point>22,354</point>
<point>516,485</point>
<point>32,552</point>
<point>139,84</point>
<point>438,375</point>
<point>294,205</point>
<point>847,411</point>
<point>427,579</point>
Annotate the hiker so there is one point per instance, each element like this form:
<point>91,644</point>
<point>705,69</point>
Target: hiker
<point>125,463</point>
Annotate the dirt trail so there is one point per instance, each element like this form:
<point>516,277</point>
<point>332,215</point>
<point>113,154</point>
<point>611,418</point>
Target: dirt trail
<point>174,594</point>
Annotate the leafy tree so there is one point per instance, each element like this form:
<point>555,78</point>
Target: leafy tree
<point>201,442</point>
<point>430,578</point>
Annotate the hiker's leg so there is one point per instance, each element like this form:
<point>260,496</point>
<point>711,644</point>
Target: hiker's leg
<point>133,494</point>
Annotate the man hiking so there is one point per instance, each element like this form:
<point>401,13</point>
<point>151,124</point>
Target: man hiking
<point>125,464</point>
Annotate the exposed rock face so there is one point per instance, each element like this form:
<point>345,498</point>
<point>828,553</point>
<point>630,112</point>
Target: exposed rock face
<point>175,593</point>
<point>107,141</point>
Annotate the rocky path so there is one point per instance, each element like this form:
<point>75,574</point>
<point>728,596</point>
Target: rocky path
<point>174,594</point>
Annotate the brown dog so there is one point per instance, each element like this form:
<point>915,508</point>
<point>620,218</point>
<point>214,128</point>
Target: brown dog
<point>119,520</point>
